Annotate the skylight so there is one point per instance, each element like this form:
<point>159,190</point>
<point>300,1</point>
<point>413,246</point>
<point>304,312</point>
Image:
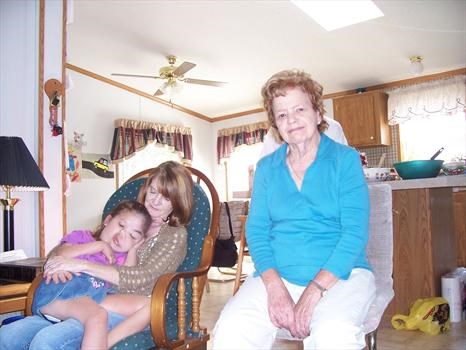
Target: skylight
<point>336,14</point>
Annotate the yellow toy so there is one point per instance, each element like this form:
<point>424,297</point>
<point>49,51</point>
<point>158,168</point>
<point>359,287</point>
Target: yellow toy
<point>431,315</point>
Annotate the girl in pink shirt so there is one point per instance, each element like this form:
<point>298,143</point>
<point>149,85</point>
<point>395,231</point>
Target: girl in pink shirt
<point>114,242</point>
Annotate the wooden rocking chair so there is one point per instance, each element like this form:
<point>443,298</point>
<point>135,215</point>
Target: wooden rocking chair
<point>176,297</point>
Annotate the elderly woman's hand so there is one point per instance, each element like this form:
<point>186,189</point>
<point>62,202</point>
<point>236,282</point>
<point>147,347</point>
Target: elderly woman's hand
<point>303,311</point>
<point>279,302</point>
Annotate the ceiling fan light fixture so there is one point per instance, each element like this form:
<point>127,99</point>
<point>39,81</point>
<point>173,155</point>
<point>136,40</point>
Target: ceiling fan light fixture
<point>416,65</point>
<point>173,76</point>
<point>176,87</point>
<point>164,87</point>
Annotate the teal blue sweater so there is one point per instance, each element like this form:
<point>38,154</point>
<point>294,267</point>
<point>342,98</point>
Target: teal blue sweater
<point>323,226</point>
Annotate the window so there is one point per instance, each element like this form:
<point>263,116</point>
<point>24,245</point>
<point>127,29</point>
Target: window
<point>420,138</point>
<point>239,163</point>
<point>149,157</point>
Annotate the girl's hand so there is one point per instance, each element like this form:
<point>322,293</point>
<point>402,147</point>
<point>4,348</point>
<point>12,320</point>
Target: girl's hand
<point>132,257</point>
<point>59,263</point>
<point>57,277</point>
<point>135,247</point>
<point>107,251</point>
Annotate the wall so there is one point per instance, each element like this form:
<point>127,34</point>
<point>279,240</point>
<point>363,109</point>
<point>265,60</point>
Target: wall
<point>92,107</point>
<point>52,146</point>
<point>18,103</point>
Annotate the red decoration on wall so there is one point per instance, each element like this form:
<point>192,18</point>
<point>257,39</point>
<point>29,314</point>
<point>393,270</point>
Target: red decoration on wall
<point>54,90</point>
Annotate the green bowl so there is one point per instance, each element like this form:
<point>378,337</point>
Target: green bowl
<point>418,169</point>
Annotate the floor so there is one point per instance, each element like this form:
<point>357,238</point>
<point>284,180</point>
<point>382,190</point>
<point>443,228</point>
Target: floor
<point>387,339</point>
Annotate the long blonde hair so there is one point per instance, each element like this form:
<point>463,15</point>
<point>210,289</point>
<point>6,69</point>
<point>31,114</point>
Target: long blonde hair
<point>173,181</point>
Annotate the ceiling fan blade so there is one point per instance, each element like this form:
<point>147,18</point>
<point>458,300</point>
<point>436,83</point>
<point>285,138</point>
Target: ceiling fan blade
<point>204,82</point>
<point>183,68</point>
<point>136,75</point>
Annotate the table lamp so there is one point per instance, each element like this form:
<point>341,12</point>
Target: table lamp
<point>18,172</point>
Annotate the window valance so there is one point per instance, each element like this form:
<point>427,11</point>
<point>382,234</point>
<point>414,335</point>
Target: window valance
<point>230,138</point>
<point>441,97</point>
<point>132,135</point>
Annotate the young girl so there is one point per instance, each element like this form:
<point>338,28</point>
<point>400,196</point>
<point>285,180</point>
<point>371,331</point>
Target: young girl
<point>115,242</point>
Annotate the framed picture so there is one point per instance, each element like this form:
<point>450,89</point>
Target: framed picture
<point>96,165</point>
<point>74,162</point>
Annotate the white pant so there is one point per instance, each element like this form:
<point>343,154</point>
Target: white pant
<point>336,322</point>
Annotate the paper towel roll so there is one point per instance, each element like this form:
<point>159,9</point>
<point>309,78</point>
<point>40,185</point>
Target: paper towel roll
<point>451,290</point>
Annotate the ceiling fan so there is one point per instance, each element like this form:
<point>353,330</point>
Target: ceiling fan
<point>174,74</point>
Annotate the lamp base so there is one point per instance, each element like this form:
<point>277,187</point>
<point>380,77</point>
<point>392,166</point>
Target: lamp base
<point>8,223</point>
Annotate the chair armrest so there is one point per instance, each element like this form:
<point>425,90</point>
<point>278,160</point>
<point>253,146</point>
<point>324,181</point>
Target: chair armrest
<point>159,297</point>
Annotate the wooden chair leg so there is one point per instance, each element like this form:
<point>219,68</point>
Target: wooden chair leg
<point>371,340</point>
<point>242,248</point>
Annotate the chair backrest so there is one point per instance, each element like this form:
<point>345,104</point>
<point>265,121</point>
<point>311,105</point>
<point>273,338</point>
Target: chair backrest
<point>380,252</point>
<point>204,223</point>
<point>236,208</point>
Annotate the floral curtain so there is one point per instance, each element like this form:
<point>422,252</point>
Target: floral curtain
<point>131,135</point>
<point>229,139</point>
<point>441,97</point>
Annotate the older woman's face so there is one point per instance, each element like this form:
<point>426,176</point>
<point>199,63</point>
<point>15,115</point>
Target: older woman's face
<point>158,206</point>
<point>295,117</point>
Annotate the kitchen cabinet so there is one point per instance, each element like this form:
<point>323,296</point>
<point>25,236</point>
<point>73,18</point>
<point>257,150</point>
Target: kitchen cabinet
<point>423,244</point>
<point>363,118</point>
<point>459,207</point>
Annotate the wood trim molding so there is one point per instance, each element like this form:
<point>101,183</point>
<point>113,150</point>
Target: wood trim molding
<point>41,124</point>
<point>64,143</point>
<point>393,84</point>
<point>136,91</point>
<point>237,115</point>
<point>404,82</point>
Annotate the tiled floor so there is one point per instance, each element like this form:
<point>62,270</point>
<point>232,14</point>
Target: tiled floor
<point>387,339</point>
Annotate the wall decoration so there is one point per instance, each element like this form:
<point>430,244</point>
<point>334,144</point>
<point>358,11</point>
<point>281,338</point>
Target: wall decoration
<point>74,162</point>
<point>54,89</point>
<point>78,139</point>
<point>96,165</point>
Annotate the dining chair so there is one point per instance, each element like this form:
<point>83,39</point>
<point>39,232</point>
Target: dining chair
<point>379,253</point>
<point>242,252</point>
<point>176,297</point>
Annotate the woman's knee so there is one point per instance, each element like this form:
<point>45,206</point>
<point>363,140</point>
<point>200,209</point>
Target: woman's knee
<point>19,334</point>
<point>63,335</point>
<point>335,336</point>
<point>98,318</point>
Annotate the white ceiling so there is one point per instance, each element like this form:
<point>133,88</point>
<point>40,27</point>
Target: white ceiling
<point>245,42</point>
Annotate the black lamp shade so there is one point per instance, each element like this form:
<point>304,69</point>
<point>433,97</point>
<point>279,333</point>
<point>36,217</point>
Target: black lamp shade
<point>18,168</point>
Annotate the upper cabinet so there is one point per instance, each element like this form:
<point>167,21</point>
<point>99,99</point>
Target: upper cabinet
<point>363,118</point>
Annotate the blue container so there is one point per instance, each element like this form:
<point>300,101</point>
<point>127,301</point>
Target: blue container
<point>418,169</point>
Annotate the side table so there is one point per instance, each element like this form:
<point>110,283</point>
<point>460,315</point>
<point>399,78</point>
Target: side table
<point>15,280</point>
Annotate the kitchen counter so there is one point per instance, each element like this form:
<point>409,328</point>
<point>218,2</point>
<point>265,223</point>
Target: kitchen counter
<point>434,182</point>
<point>424,238</point>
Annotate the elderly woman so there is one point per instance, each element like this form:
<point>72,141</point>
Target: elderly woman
<point>307,232</point>
<point>167,195</point>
